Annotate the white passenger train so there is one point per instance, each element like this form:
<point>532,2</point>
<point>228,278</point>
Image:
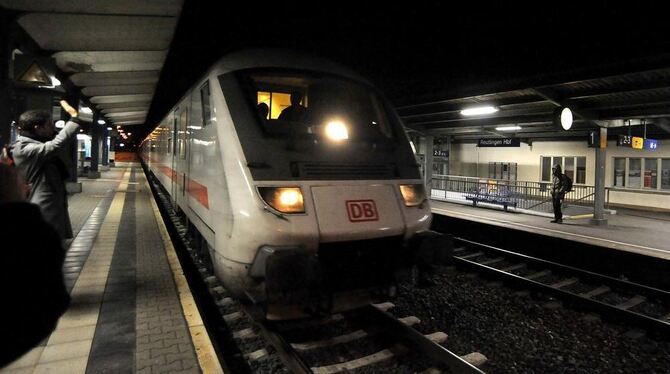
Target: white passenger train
<point>314,206</point>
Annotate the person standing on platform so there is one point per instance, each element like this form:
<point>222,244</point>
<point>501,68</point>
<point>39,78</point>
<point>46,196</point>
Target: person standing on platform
<point>32,270</point>
<point>557,192</point>
<point>36,154</point>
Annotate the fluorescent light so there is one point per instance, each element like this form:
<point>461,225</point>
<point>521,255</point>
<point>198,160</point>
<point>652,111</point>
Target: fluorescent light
<point>130,133</point>
<point>101,122</point>
<point>476,111</point>
<point>109,129</point>
<point>86,110</point>
<point>508,128</point>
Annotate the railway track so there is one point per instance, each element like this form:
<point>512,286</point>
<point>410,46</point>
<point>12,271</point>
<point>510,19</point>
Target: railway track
<point>633,303</point>
<point>364,339</point>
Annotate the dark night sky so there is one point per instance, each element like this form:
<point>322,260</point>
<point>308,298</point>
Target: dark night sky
<point>417,50</point>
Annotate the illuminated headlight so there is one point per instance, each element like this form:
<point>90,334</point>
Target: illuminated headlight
<point>413,194</point>
<point>337,131</point>
<point>283,199</point>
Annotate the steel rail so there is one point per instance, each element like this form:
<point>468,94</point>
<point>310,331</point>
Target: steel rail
<point>653,324</point>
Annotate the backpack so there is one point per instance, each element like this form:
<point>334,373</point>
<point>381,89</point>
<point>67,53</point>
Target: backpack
<point>567,183</point>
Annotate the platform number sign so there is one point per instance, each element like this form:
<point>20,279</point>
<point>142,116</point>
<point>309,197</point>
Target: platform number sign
<point>625,141</point>
<point>362,210</point>
<point>638,142</point>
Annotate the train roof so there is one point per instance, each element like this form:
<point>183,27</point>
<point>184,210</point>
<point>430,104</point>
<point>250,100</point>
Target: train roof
<point>281,58</point>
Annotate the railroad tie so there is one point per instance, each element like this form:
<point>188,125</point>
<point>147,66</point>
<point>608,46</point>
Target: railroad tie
<point>345,338</point>
<point>384,306</point>
<point>633,301</point>
<point>475,358</point>
<point>410,320</point>
<point>460,249</point>
<point>593,293</point>
<point>244,334</point>
<point>230,317</point>
<point>360,362</point>
<point>257,355</point>
<point>471,255</point>
<point>491,261</point>
<point>539,274</point>
<point>437,337</point>
<point>358,334</point>
<point>565,282</point>
<point>224,302</point>
<point>514,267</point>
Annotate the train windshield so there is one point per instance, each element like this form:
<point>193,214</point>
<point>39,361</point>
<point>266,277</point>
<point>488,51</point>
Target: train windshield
<point>322,107</point>
<point>296,124</point>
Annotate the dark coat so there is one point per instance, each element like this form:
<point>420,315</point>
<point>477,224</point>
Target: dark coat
<point>31,280</point>
<point>40,165</point>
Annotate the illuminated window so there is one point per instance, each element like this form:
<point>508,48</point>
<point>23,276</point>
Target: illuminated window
<point>276,101</point>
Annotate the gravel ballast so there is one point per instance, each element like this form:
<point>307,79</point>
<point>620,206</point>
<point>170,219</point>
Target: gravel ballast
<point>520,333</point>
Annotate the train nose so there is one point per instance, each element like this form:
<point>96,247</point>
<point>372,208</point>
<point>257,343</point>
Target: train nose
<point>357,212</point>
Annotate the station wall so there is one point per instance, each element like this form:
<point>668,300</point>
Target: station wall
<point>472,161</point>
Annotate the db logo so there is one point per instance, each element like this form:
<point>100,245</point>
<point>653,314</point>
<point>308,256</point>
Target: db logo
<point>362,210</point>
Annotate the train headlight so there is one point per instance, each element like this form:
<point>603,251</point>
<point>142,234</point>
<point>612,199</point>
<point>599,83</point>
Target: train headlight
<point>283,199</point>
<point>336,130</point>
<point>413,194</point>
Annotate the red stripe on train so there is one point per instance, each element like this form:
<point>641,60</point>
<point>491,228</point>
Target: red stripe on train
<point>195,189</point>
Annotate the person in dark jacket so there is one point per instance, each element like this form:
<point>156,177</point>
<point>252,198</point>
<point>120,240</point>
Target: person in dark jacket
<point>557,192</point>
<point>36,154</point>
<point>31,280</point>
<point>294,112</point>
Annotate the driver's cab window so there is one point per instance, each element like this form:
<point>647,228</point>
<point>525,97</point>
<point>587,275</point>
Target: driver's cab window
<point>278,103</point>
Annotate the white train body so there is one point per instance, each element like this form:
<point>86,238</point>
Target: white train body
<point>214,154</point>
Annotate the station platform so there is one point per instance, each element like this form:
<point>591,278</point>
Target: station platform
<point>131,308</point>
<point>631,231</point>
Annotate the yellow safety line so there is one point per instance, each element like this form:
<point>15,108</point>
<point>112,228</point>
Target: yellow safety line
<point>207,358</point>
<point>657,252</point>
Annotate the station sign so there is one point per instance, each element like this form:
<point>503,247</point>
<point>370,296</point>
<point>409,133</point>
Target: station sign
<point>650,144</point>
<point>440,153</point>
<point>638,143</point>
<point>499,142</point>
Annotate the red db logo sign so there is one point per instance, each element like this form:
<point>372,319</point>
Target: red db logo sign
<point>362,210</point>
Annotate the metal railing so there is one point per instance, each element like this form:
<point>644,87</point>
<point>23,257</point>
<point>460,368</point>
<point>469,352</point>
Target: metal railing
<point>518,194</point>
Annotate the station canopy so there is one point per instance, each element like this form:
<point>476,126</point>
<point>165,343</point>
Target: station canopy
<point>113,51</point>
<point>624,97</point>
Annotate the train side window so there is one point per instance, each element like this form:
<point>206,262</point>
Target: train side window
<point>169,146</point>
<point>206,109</point>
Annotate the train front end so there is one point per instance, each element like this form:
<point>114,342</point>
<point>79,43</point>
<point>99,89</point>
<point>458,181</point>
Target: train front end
<point>341,197</point>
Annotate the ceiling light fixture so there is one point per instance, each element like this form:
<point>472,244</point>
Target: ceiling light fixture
<point>477,111</point>
<point>508,128</point>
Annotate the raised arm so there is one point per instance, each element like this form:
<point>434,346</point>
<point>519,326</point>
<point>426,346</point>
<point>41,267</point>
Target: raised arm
<point>64,136</point>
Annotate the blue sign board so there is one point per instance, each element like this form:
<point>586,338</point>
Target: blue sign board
<point>650,144</point>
